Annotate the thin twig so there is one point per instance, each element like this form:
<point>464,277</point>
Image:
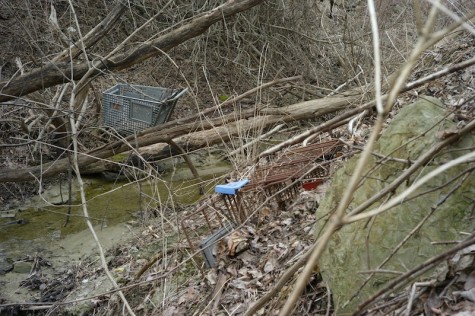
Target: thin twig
<point>440,73</point>
<point>411,233</point>
<point>336,222</point>
<point>190,164</point>
<point>376,56</point>
<point>282,281</point>
<point>383,271</point>
<point>420,269</point>
<point>255,140</point>
<point>421,161</point>
<point>399,198</point>
<point>86,213</point>
<point>413,294</point>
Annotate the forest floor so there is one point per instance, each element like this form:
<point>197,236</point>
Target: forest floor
<point>160,273</point>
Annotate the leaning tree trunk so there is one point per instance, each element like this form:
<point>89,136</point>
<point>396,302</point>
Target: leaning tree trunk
<point>54,73</point>
<point>205,133</point>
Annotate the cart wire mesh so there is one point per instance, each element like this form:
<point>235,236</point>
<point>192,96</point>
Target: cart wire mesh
<point>132,108</point>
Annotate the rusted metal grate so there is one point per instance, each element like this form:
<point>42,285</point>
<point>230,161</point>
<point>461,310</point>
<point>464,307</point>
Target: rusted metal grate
<point>293,164</point>
<point>281,178</point>
<point>278,177</point>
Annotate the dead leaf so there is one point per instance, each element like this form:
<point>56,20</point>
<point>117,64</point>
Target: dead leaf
<point>470,282</point>
<point>433,302</point>
<point>190,295</point>
<point>447,133</point>
<point>270,265</point>
<point>238,284</point>
<point>211,276</point>
<point>256,274</point>
<point>174,311</point>
<point>264,214</point>
<point>237,242</point>
<point>232,271</point>
<point>287,222</point>
<point>469,295</point>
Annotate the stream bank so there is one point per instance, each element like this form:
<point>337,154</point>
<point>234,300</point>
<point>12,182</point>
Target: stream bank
<point>36,246</point>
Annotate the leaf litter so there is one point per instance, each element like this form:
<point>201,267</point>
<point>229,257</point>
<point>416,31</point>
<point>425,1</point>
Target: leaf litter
<point>252,258</point>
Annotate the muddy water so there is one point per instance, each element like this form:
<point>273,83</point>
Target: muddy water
<point>109,203</point>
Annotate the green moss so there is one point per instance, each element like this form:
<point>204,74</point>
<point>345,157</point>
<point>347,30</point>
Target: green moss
<point>364,245</point>
<point>119,157</point>
<point>108,203</point>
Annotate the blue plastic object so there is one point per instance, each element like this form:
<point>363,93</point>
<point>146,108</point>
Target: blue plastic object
<point>230,188</point>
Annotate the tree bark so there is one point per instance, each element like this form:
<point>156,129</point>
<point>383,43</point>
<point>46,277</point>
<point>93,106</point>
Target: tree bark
<point>51,74</point>
<point>190,136</point>
<point>94,35</point>
<point>222,129</point>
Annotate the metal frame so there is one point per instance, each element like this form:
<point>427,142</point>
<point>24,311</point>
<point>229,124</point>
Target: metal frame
<point>122,101</point>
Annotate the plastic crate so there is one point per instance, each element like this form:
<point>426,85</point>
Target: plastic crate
<point>132,108</point>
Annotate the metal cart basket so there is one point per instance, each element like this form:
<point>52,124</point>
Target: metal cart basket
<point>132,108</point>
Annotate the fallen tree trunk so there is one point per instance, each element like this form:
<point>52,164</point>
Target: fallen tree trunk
<point>189,136</point>
<point>161,134</point>
<point>266,118</point>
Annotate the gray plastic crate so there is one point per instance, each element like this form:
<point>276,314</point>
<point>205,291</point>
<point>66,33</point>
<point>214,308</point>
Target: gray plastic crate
<point>132,108</point>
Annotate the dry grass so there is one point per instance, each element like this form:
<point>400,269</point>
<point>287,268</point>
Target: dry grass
<point>274,40</point>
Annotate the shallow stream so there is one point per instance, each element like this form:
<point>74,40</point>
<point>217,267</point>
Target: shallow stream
<point>40,221</point>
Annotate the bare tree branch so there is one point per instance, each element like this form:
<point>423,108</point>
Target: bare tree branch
<point>57,73</point>
<point>295,112</point>
<point>94,35</point>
